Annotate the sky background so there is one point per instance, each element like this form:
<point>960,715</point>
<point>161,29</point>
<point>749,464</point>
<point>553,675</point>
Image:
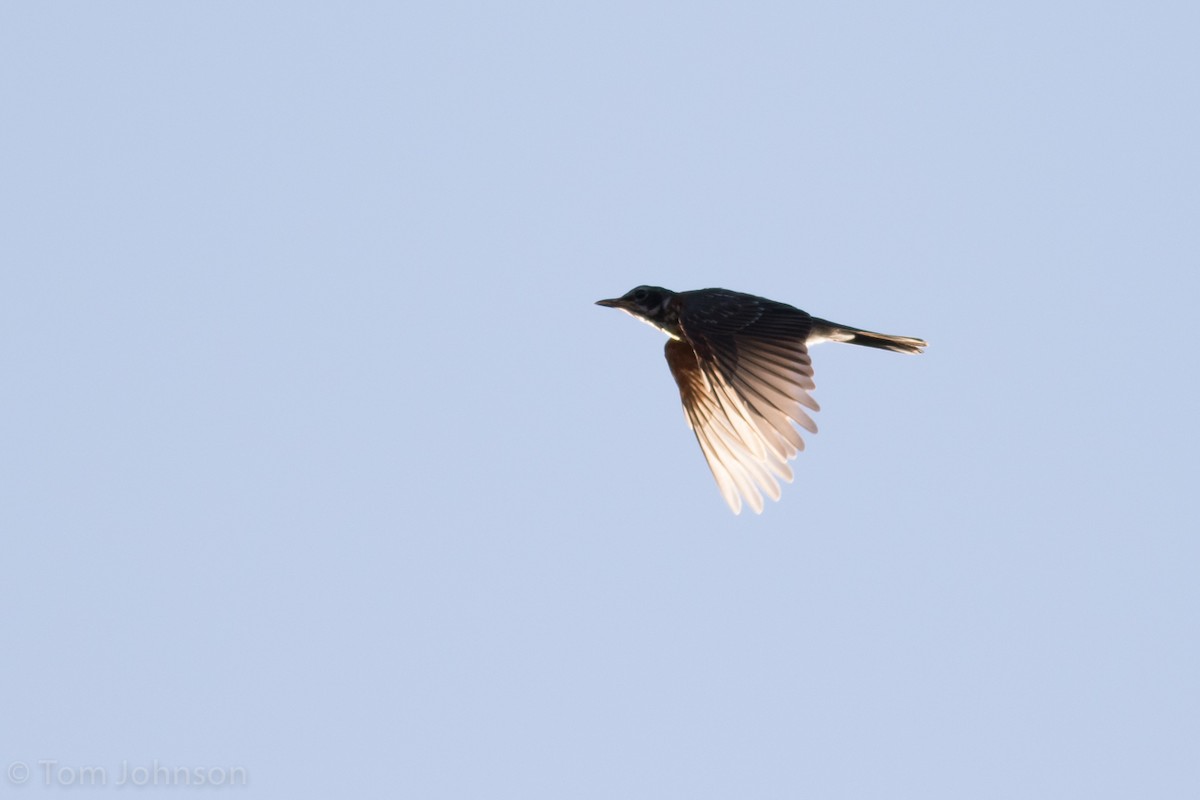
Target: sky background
<point>318,460</point>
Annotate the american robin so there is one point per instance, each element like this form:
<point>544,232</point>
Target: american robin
<point>744,376</point>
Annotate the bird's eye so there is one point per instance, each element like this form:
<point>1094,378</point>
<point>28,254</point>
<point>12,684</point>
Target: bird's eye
<point>640,295</point>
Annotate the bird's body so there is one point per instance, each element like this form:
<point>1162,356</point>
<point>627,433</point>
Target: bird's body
<point>744,376</point>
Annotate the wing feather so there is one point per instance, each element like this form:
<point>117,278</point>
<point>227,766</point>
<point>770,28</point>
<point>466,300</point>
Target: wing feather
<point>744,377</point>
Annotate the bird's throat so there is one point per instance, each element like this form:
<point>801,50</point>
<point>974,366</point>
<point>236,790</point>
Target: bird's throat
<point>669,328</point>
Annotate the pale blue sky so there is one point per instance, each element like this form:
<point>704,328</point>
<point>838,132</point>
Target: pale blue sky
<point>318,460</point>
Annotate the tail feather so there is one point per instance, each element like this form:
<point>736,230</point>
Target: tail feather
<point>823,330</point>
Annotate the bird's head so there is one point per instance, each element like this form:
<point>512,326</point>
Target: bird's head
<point>646,302</point>
<point>650,304</point>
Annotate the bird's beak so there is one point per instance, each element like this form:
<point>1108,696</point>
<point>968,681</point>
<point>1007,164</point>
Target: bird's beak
<point>616,302</point>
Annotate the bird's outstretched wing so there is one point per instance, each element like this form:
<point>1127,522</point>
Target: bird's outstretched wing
<point>744,377</point>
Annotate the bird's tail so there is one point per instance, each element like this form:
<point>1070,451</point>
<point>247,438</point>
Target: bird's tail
<point>831,331</point>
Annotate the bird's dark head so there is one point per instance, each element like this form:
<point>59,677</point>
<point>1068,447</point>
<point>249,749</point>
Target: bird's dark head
<point>647,302</point>
<point>650,304</point>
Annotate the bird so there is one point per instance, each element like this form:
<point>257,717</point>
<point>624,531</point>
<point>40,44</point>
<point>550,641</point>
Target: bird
<point>745,378</point>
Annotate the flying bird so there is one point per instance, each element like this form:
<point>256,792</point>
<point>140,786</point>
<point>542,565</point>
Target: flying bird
<point>744,376</point>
